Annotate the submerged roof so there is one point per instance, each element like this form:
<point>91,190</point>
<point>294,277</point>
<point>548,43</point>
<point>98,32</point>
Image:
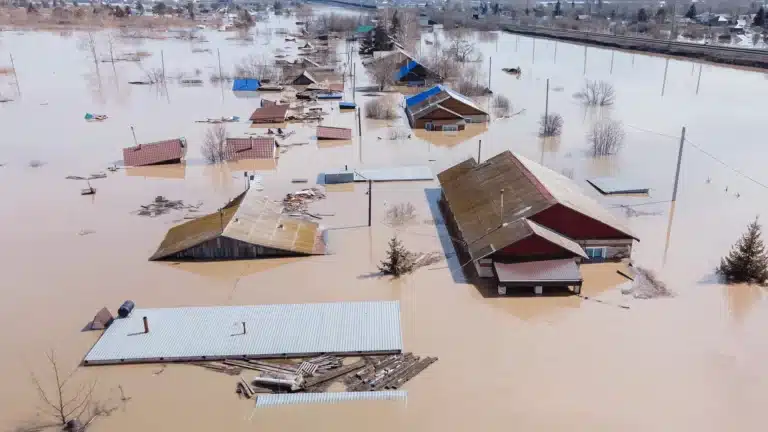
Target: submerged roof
<point>406,69</point>
<point>564,270</point>
<point>270,113</point>
<point>277,330</point>
<point>473,194</point>
<point>306,75</point>
<point>509,233</point>
<point>249,148</point>
<point>423,101</point>
<point>337,133</point>
<point>251,219</point>
<point>154,153</point>
<point>277,399</point>
<point>246,84</point>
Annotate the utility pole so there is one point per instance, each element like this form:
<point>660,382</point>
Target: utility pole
<point>612,54</point>
<point>162,62</point>
<point>490,71</point>
<point>354,78</point>
<point>479,146</point>
<point>370,200</point>
<point>664,84</point>
<point>546,104</point>
<point>555,60</point>
<point>218,54</point>
<point>585,59</point>
<point>679,162</point>
<point>134,136</point>
<point>15,75</point>
<point>698,82</point>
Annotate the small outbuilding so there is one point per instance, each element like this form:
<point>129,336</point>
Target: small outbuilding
<point>304,78</point>
<point>249,148</point>
<point>441,108</point>
<point>156,153</point>
<point>270,113</point>
<point>250,226</point>
<point>246,84</point>
<point>333,133</point>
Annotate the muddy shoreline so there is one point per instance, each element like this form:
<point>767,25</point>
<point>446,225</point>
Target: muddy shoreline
<point>714,54</point>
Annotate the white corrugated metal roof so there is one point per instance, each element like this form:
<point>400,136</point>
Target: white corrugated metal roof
<point>268,400</point>
<point>209,333</point>
<point>564,270</point>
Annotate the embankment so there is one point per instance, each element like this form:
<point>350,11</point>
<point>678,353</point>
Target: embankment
<point>718,54</point>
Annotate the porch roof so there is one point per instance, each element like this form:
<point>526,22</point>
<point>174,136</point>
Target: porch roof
<point>549,271</point>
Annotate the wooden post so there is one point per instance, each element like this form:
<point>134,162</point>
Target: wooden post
<point>679,162</point>
<point>370,200</point>
<point>664,84</point>
<point>479,146</point>
<point>134,136</point>
<point>585,59</point>
<point>354,78</point>
<point>16,76</point>
<point>533,57</point>
<point>612,54</point>
<point>555,52</point>
<point>490,71</point>
<point>698,81</point>
<point>359,125</point>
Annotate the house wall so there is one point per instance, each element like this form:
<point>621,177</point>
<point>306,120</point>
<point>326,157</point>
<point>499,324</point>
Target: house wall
<point>575,225</point>
<point>465,110</point>
<point>225,248</point>
<point>614,249</point>
<point>531,248</point>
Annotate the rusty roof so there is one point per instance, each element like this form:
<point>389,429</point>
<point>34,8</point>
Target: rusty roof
<point>473,194</point>
<point>249,148</point>
<point>154,153</point>
<point>250,219</point>
<point>334,133</point>
<point>270,113</point>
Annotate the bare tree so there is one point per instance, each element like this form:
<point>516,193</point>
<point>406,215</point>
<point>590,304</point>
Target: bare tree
<point>462,50</point>
<point>257,67</point>
<point>550,125</point>
<point>214,144</point>
<point>606,137</point>
<point>88,43</point>
<point>401,213</point>
<point>501,105</point>
<point>472,82</point>
<point>381,108</point>
<point>442,63</point>
<point>382,72</point>
<point>304,12</point>
<point>64,403</point>
<point>599,93</point>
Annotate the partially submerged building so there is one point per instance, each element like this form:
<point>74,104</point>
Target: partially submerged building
<point>270,113</point>
<point>441,108</point>
<point>160,152</point>
<point>333,133</point>
<point>526,225</point>
<point>414,73</point>
<point>247,227</point>
<point>236,149</point>
<point>246,84</point>
<point>304,78</point>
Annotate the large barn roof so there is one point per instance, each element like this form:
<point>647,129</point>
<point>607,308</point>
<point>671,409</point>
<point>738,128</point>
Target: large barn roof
<point>250,219</point>
<point>473,194</point>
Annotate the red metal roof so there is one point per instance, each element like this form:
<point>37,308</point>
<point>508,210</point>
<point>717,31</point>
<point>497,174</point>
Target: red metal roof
<point>334,133</point>
<point>250,148</point>
<point>270,113</point>
<point>154,153</point>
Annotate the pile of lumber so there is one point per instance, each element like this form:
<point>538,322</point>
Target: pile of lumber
<point>388,373</point>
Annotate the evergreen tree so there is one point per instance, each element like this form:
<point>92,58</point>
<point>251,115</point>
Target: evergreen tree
<point>691,12</point>
<point>557,11</point>
<point>398,260</point>
<point>747,261</point>
<point>395,25</point>
<point>759,17</point>
<point>642,15</point>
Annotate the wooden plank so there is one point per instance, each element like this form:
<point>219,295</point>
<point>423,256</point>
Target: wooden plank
<point>311,382</point>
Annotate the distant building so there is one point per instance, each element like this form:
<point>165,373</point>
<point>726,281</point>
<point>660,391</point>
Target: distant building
<point>249,148</point>
<point>249,226</point>
<point>526,225</point>
<point>161,152</point>
<point>441,108</point>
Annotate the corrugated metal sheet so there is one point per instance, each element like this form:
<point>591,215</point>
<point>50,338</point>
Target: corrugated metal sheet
<point>405,69</point>
<point>270,400</point>
<point>415,99</point>
<point>214,333</point>
<point>249,148</point>
<point>565,270</point>
<point>270,113</point>
<point>614,186</point>
<point>251,219</point>
<point>401,173</point>
<point>556,238</point>
<point>336,133</point>
<point>246,84</point>
<point>154,153</point>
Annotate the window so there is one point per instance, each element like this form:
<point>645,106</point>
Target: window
<point>595,252</point>
<point>450,128</point>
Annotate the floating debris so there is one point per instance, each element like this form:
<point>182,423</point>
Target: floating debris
<point>162,205</point>
<point>298,202</point>
<point>646,285</point>
<point>84,232</point>
<point>231,119</point>
<point>95,117</point>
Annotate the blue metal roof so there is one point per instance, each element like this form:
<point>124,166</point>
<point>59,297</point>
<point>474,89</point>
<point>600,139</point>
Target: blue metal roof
<point>347,105</point>
<point>405,69</point>
<point>276,399</point>
<point>214,333</point>
<point>413,100</point>
<point>246,84</point>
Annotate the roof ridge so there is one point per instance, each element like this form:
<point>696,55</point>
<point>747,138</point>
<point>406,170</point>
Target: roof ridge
<point>533,179</point>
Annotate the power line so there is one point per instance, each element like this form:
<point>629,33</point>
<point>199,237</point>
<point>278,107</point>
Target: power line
<point>654,132</point>
<point>736,170</point>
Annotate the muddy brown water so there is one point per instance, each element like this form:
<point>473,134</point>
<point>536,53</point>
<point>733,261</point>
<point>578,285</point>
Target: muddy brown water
<point>693,362</point>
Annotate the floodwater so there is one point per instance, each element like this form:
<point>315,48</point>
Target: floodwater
<point>692,362</point>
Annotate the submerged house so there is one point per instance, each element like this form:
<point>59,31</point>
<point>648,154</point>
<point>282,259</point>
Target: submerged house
<point>246,84</point>
<point>269,112</point>
<point>236,149</point>
<point>441,108</point>
<point>156,153</point>
<point>304,78</point>
<point>249,226</point>
<point>415,73</point>
<point>526,225</point>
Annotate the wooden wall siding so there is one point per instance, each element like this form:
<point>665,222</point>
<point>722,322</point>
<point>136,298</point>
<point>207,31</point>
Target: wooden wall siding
<point>226,248</point>
<point>531,248</point>
<point>461,108</point>
<point>575,225</point>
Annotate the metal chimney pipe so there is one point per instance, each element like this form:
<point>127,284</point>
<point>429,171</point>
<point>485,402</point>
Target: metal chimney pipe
<point>243,327</point>
<point>146,325</point>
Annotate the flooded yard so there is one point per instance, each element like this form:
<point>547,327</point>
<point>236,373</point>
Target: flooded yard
<point>692,362</point>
